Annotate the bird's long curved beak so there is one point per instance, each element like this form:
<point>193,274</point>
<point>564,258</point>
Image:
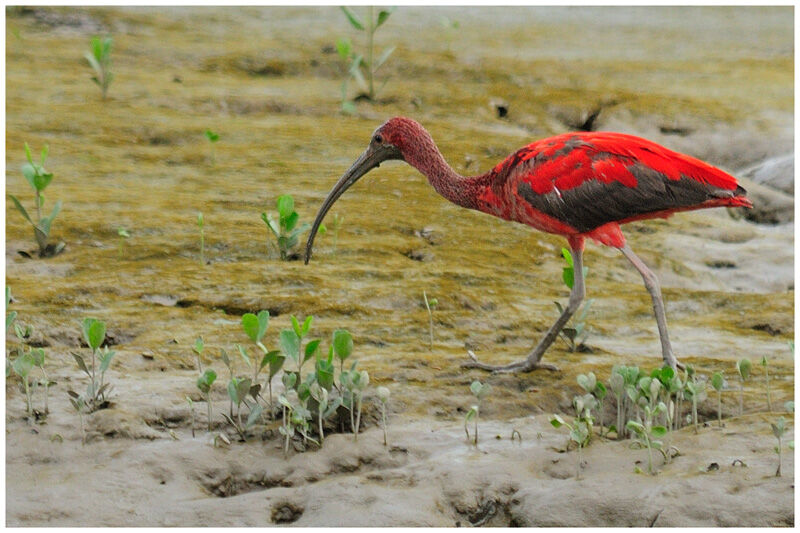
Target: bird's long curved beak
<point>371,158</point>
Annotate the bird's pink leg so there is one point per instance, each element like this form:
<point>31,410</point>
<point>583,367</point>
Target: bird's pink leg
<point>533,360</point>
<point>653,287</point>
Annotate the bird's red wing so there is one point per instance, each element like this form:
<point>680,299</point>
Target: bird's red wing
<point>589,179</point>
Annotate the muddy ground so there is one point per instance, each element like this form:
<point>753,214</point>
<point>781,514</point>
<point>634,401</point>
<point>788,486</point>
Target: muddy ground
<point>716,83</point>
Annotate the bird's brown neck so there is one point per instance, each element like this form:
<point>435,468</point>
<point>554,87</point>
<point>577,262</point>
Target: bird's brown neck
<point>461,190</point>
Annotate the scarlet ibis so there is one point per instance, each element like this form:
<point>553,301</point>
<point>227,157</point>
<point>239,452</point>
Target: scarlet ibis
<point>579,185</point>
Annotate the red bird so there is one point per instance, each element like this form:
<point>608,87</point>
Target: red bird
<point>579,185</point>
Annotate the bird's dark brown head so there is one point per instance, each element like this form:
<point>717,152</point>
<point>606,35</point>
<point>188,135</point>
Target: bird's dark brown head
<point>388,142</point>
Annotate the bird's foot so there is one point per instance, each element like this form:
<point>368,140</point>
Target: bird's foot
<point>519,366</point>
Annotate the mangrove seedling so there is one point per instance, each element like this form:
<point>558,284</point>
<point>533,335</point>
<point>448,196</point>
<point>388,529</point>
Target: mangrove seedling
<point>238,390</point>
<point>383,397</point>
<point>324,409</point>
<point>22,367</point>
<point>362,67</point>
<point>718,382</point>
<point>764,363</point>
<point>291,341</point>
<point>198,348</point>
<point>79,404</point>
<point>204,383</point>
<point>123,234</point>
<point>39,179</point>
<point>479,391</point>
<point>94,333</point>
<point>286,230</point>
<point>255,326</point>
<point>99,58</point>
<point>778,429</point>
<point>38,360</point>
<point>743,367</point>
<point>200,224</point>
<point>580,431</point>
<point>647,434</point>
<point>429,305</point>
<point>191,411</point>
<point>212,139</point>
<point>590,384</point>
<point>697,391</point>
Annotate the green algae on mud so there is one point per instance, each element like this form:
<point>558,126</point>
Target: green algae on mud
<point>139,160</point>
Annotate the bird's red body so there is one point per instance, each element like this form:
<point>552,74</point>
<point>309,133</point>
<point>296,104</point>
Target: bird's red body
<point>579,185</point>
<point>586,184</point>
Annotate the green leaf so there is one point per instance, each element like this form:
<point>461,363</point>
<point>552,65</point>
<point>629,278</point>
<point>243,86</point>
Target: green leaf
<point>243,354</point>
<point>311,349</point>
<point>296,326</point>
<point>285,205</point>
<point>354,19</point>
<point>46,222</point>
<point>567,257</point>
<point>290,344</point>
<point>634,426</point>
<point>275,363</point>
<point>95,332</point>
<point>290,221</point>
<point>344,46</point>
<point>471,413</point>
<point>81,363</point>
<point>232,391</point>
<point>200,220</point>
<point>255,412</point>
<point>306,325</point>
<point>199,345</point>
<point>211,136</point>
<point>28,154</point>
<point>29,172</point>
<point>23,365</point>
<point>383,15</point>
<point>717,381</point>
<point>744,366</point>
<point>10,317</point>
<point>205,381</point>
<point>42,180</point>
<point>21,209</point>
<point>658,431</point>
<point>105,359</point>
<point>250,326</point>
<point>325,372</point>
<point>556,421</point>
<point>342,344</point>
<point>383,57</point>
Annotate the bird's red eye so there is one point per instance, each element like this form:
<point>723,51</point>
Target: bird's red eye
<point>378,139</point>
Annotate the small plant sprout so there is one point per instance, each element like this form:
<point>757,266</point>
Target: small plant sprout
<point>580,431</point>
<point>291,342</point>
<point>204,383</point>
<point>718,382</point>
<point>743,366</point>
<point>286,230</point>
<point>764,363</point>
<point>198,348</point>
<point>79,404</point>
<point>324,408</point>
<point>479,391</point>
<point>697,392</point>
<point>123,234</point>
<point>212,139</point>
<point>430,305</point>
<point>362,67</point>
<point>255,326</point>
<point>99,58</point>
<point>22,367</point>
<point>647,434</point>
<point>94,333</point>
<point>778,429</point>
<point>191,411</point>
<point>590,384</point>
<point>200,225</point>
<point>38,360</point>
<point>576,335</point>
<point>39,179</point>
<point>383,397</point>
